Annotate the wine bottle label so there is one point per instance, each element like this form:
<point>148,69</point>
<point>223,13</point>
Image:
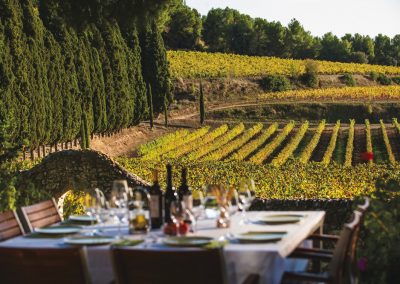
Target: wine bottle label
<point>155,206</point>
<point>188,200</point>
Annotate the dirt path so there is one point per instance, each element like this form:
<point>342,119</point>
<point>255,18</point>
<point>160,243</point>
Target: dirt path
<point>127,141</point>
<point>360,145</point>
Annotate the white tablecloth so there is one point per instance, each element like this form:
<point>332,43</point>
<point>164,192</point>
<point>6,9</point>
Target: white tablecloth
<point>268,260</point>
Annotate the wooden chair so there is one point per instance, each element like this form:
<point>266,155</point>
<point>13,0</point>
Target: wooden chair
<point>10,226</point>
<point>339,261</point>
<point>333,238</point>
<point>41,214</point>
<point>43,266</point>
<point>195,266</point>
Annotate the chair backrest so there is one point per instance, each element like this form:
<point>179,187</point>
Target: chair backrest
<point>41,214</point>
<point>341,254</point>
<point>195,266</point>
<point>364,207</point>
<point>44,266</point>
<point>10,226</point>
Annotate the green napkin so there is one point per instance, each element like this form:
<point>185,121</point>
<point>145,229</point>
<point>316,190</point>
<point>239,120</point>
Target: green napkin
<point>78,223</point>
<point>36,235</point>
<point>127,243</point>
<point>215,244</point>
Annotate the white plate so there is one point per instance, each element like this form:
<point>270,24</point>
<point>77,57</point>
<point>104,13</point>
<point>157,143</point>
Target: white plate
<point>88,240</point>
<point>82,218</point>
<point>259,237</point>
<point>187,241</point>
<point>58,230</point>
<point>280,219</point>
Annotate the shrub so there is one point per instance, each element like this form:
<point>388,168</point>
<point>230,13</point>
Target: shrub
<point>396,80</point>
<point>379,252</point>
<point>359,57</point>
<point>384,80</point>
<point>310,76</point>
<point>275,83</point>
<point>373,76</point>
<point>348,79</point>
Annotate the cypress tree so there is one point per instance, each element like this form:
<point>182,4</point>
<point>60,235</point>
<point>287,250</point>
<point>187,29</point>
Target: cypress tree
<point>66,73</point>
<point>155,66</point>
<point>165,113</point>
<point>150,102</point>
<point>202,106</point>
<point>137,84</point>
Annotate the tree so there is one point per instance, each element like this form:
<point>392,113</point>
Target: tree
<point>334,49</point>
<point>202,105</point>
<point>298,42</point>
<point>155,66</point>
<point>165,113</point>
<point>150,103</point>
<point>183,30</point>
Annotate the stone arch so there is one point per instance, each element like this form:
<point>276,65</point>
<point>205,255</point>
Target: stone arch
<point>76,169</point>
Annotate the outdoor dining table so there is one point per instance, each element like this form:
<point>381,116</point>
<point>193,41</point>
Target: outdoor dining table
<point>269,260</point>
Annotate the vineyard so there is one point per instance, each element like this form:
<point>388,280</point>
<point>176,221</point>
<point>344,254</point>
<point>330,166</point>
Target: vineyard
<point>191,64</point>
<point>344,157</point>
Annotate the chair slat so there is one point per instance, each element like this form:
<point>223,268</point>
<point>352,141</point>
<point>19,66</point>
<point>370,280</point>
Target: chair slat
<point>41,214</point>
<point>38,215</point>
<point>6,216</point>
<point>34,266</point>
<point>9,226</point>
<point>137,266</point>
<point>45,222</point>
<point>39,206</point>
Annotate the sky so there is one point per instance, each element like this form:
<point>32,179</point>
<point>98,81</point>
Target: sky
<point>366,17</point>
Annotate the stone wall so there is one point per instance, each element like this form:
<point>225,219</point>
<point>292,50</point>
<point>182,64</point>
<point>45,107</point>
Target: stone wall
<point>77,169</point>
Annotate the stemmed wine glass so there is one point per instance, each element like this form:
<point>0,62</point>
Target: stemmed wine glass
<point>119,202</point>
<point>92,205</point>
<point>104,210</point>
<point>198,209</point>
<point>244,197</point>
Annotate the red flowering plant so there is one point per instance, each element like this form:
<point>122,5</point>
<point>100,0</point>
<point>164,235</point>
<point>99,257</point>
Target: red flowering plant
<point>367,156</point>
<point>379,251</point>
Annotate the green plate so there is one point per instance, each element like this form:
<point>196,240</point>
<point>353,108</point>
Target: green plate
<point>259,237</point>
<point>187,241</point>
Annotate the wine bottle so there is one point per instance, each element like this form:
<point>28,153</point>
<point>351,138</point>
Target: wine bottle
<point>156,203</point>
<point>184,192</point>
<point>170,196</point>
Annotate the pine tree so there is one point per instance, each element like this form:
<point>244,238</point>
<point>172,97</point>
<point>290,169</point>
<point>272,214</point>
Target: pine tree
<point>150,102</point>
<point>202,106</point>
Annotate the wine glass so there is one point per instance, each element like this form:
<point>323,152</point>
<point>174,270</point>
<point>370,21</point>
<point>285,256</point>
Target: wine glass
<point>119,202</point>
<point>104,209</point>
<point>198,210</point>
<point>92,205</point>
<point>244,197</point>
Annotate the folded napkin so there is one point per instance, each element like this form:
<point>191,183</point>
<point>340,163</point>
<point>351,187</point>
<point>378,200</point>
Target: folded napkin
<point>127,243</point>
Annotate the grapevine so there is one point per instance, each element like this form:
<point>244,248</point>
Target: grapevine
<point>264,153</point>
<point>235,144</point>
<point>307,152</point>
<point>247,149</point>
<point>291,146</point>
<point>350,145</point>
<point>332,145</point>
<point>392,159</point>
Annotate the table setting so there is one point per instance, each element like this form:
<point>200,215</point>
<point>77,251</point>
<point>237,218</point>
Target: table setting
<point>216,217</point>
